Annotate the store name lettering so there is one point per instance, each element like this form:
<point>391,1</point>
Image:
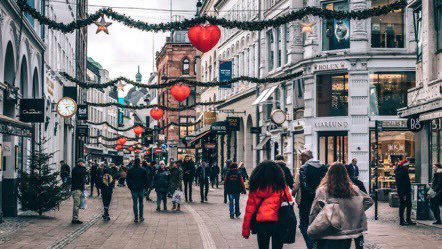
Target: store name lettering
<point>330,66</point>
<point>331,124</point>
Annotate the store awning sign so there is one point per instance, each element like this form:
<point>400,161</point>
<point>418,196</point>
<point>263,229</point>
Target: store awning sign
<point>32,110</point>
<point>255,130</point>
<point>225,73</point>
<point>209,118</point>
<point>233,123</point>
<point>82,112</point>
<point>219,127</point>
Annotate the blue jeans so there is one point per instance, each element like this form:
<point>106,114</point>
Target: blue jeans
<point>138,198</point>
<point>234,198</point>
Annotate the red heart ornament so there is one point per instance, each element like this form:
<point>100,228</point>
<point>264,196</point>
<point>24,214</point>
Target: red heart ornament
<point>121,141</point>
<point>156,113</point>
<point>180,92</point>
<point>204,37</point>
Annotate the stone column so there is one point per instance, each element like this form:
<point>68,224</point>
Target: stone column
<point>359,29</point>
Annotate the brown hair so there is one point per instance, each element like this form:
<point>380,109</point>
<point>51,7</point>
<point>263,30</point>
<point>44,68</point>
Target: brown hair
<point>338,182</point>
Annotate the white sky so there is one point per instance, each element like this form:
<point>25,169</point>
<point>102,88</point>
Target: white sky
<point>124,48</point>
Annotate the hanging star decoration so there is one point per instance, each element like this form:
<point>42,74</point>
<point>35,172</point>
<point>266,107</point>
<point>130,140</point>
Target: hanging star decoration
<point>307,27</point>
<point>120,86</point>
<point>102,25</point>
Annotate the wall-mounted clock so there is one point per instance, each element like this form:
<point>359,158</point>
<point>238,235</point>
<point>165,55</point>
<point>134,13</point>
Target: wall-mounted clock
<point>66,107</point>
<point>278,116</point>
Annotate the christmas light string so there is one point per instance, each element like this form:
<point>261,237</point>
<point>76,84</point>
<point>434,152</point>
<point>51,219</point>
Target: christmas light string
<point>164,108</point>
<point>188,23</point>
<point>180,80</point>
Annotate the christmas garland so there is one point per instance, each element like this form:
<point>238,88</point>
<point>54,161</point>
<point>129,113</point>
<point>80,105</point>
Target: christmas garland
<point>188,23</point>
<point>179,125</point>
<point>124,147</point>
<point>165,108</point>
<point>109,139</point>
<point>170,83</point>
<point>130,128</point>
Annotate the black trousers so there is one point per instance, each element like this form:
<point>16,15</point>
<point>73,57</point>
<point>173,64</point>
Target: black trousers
<point>94,182</point>
<point>405,203</point>
<point>188,188</point>
<point>267,231</point>
<point>434,204</point>
<point>214,180</point>
<point>204,188</point>
<point>106,196</point>
<point>333,244</point>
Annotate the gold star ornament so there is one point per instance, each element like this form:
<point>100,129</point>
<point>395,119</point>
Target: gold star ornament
<point>120,86</point>
<point>102,25</point>
<point>307,27</point>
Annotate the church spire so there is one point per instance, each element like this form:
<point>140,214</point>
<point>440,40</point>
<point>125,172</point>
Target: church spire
<point>138,76</point>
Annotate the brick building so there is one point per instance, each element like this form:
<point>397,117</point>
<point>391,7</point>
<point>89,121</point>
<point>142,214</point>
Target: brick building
<point>176,59</point>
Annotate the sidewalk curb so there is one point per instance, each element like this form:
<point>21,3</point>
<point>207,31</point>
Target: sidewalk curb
<point>428,225</point>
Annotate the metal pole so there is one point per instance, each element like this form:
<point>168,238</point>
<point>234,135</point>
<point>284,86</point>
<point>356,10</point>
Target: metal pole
<point>229,150</point>
<point>222,151</point>
<point>376,165</point>
<point>235,146</point>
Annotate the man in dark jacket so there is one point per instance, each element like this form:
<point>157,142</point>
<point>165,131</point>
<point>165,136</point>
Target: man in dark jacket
<point>203,175</point>
<point>223,176</point>
<point>353,169</point>
<point>307,181</point>
<point>79,174</point>
<point>161,183</point>
<point>188,175</point>
<point>65,172</point>
<point>436,197</point>
<point>279,159</point>
<point>136,181</point>
<point>95,178</point>
<point>214,175</point>
<point>403,186</point>
<point>234,185</point>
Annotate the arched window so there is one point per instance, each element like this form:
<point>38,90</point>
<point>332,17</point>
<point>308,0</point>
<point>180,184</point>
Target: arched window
<point>186,66</point>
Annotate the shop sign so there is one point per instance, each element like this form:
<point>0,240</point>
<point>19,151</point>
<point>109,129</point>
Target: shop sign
<point>11,128</point>
<point>330,66</point>
<point>255,130</point>
<point>32,110</point>
<point>402,124</point>
<point>209,118</point>
<point>82,112</point>
<point>219,127</point>
<point>82,130</point>
<point>331,124</point>
<point>233,123</point>
<point>210,145</point>
<point>436,125</point>
<point>225,72</point>
<point>414,125</point>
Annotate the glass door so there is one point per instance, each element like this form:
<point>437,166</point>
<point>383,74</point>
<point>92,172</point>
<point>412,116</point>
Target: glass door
<point>333,147</point>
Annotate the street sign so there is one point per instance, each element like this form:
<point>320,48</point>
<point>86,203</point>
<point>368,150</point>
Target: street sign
<point>32,110</point>
<point>225,72</point>
<point>255,130</point>
<point>164,146</point>
<point>82,112</point>
<point>219,127</point>
<point>233,123</point>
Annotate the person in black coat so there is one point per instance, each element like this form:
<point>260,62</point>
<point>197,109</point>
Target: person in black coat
<point>279,159</point>
<point>223,176</point>
<point>161,183</point>
<point>234,185</point>
<point>65,172</point>
<point>203,175</point>
<point>136,181</point>
<point>403,186</point>
<point>243,171</point>
<point>79,174</point>
<point>95,178</point>
<point>107,184</point>
<point>188,167</point>
<point>436,186</point>
<point>214,175</point>
<point>353,169</point>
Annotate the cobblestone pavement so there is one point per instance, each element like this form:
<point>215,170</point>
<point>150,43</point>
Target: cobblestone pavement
<point>197,226</point>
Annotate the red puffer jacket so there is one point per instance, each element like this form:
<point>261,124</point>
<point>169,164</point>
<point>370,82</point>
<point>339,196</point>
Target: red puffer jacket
<point>268,211</point>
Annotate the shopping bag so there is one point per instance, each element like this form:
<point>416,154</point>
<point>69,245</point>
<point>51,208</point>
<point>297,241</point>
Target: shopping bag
<point>83,202</point>
<point>176,197</point>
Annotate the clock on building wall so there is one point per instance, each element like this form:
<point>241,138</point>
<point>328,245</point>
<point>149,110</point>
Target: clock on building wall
<point>278,116</point>
<point>66,107</point>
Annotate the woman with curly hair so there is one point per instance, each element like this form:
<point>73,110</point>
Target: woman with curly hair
<point>268,191</point>
<point>337,188</point>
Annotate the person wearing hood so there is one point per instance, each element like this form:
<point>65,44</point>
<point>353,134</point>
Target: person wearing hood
<point>161,183</point>
<point>279,159</point>
<point>188,167</point>
<point>403,186</point>
<point>307,181</point>
<point>234,182</point>
<point>223,176</point>
<point>436,197</point>
<point>267,192</point>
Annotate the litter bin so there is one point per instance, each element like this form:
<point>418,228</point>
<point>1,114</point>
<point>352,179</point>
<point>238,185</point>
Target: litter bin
<point>420,201</point>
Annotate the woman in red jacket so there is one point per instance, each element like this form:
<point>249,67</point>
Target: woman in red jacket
<point>267,187</point>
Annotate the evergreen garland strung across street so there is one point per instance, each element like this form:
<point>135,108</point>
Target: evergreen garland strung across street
<point>130,128</point>
<point>170,83</point>
<point>188,23</point>
<point>124,147</point>
<point>165,108</point>
<point>179,125</point>
<point>114,138</point>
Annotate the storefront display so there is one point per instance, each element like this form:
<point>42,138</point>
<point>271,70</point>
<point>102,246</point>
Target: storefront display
<point>336,33</point>
<point>333,147</point>
<point>393,147</point>
<point>332,96</point>
<point>387,31</point>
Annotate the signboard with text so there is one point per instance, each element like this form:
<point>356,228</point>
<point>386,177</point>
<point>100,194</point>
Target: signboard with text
<point>32,110</point>
<point>82,131</point>
<point>225,72</point>
<point>219,127</point>
<point>233,123</point>
<point>82,112</point>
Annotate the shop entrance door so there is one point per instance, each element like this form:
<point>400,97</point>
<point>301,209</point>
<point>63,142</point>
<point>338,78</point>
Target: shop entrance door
<point>333,147</point>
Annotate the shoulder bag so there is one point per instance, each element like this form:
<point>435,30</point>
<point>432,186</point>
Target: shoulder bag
<point>287,221</point>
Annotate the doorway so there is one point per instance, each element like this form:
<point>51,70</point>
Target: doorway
<point>333,147</point>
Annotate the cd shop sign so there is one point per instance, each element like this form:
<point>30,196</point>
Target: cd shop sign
<point>330,66</point>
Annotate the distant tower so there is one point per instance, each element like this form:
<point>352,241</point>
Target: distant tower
<point>138,76</point>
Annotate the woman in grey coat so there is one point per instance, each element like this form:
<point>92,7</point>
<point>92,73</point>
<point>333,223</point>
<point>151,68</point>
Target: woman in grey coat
<point>337,188</point>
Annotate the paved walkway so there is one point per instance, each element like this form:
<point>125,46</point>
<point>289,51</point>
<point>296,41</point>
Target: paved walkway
<point>199,225</point>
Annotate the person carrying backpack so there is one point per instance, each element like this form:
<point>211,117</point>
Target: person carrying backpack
<point>107,184</point>
<point>307,181</point>
<point>234,182</point>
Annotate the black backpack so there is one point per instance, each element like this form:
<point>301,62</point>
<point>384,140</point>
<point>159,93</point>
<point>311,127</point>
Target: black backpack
<point>287,222</point>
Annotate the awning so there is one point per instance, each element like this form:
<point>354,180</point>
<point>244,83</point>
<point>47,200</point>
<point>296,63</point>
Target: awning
<point>200,136</point>
<point>264,95</point>
<point>13,127</point>
<point>262,143</point>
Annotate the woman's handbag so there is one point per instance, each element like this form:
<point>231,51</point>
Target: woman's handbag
<point>253,222</point>
<point>287,222</point>
<point>431,193</point>
<point>328,220</point>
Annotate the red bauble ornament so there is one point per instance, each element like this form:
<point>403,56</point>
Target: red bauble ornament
<point>121,141</point>
<point>156,113</point>
<point>138,130</point>
<point>180,92</point>
<point>131,148</point>
<point>119,147</point>
<point>137,151</point>
<point>204,37</point>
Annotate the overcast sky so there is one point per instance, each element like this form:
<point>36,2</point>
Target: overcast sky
<point>124,49</point>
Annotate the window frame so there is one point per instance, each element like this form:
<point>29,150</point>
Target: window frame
<point>404,31</point>
<point>342,74</point>
<point>324,21</point>
<point>437,5</point>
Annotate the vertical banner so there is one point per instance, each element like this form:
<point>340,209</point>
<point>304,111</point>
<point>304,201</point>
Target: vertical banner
<point>225,72</point>
<point>120,112</point>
